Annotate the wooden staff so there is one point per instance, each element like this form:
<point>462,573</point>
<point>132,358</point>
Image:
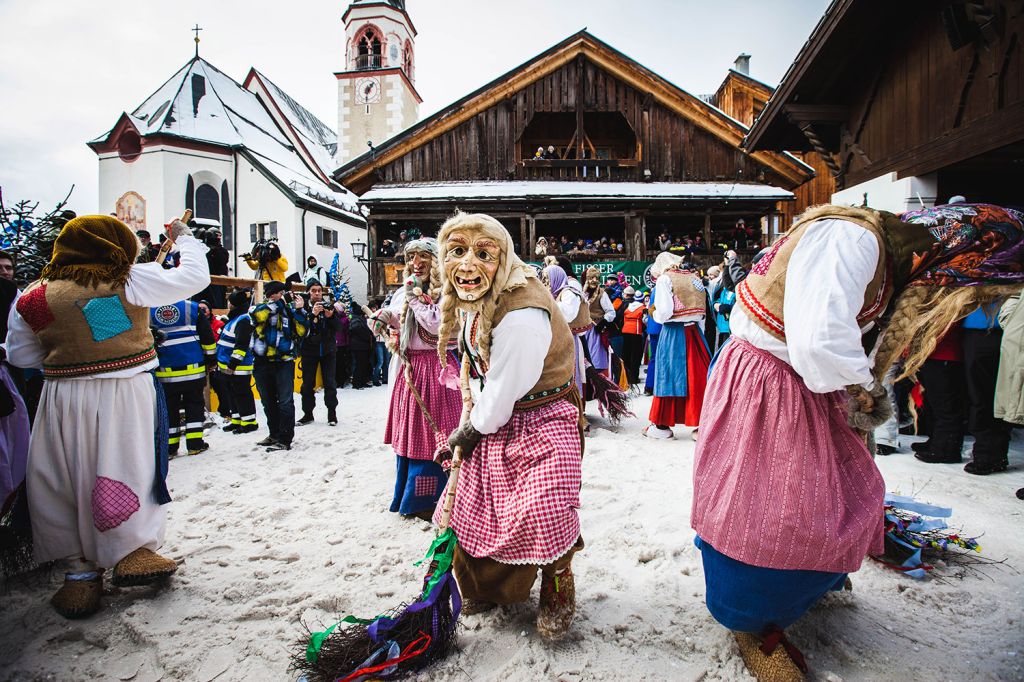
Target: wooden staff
<point>453,475</point>
<point>165,248</point>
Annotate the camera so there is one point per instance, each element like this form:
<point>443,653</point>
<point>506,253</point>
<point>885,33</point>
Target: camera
<point>264,251</point>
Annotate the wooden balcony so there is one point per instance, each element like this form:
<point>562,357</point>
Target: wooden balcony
<point>603,170</point>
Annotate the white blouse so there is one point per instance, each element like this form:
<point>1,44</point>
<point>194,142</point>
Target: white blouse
<point>828,273</point>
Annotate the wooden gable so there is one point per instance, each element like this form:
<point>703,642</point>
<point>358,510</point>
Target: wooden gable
<point>742,97</point>
<point>636,126</point>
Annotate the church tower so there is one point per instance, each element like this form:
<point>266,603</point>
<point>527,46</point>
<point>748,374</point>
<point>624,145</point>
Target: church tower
<point>377,97</point>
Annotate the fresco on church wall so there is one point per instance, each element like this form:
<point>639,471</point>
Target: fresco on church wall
<point>131,210</point>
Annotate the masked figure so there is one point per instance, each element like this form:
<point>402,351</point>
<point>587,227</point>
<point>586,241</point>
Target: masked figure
<point>787,498</point>
<point>98,456</point>
<point>424,411</point>
<point>515,507</point>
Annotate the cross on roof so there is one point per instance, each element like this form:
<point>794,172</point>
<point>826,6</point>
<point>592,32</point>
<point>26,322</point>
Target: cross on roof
<point>196,30</point>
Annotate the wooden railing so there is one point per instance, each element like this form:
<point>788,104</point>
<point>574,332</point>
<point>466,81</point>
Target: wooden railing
<point>580,169</point>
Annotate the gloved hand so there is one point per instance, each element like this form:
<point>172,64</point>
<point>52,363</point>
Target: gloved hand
<point>178,229</point>
<point>868,409</point>
<point>465,437</point>
<point>413,287</point>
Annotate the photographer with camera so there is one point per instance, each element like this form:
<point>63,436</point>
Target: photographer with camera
<point>279,325</point>
<point>217,257</point>
<point>319,349</point>
<point>266,259</point>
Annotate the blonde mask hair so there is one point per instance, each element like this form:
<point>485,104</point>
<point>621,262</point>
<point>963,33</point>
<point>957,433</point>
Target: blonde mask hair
<point>512,273</point>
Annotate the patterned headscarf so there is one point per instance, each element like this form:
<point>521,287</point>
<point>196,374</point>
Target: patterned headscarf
<point>978,244</point>
<point>557,279</point>
<point>428,244</point>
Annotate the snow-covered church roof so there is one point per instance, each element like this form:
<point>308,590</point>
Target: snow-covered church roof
<point>200,103</point>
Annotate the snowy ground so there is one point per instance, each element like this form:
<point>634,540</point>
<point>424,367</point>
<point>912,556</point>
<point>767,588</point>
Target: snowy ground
<point>267,541</point>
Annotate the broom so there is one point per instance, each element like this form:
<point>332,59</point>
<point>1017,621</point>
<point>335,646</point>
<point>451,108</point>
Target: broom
<point>408,637</point>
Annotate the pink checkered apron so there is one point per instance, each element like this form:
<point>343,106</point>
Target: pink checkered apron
<point>779,478</point>
<point>408,431</point>
<point>519,491</point>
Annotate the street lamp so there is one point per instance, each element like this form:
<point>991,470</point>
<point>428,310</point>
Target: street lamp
<point>359,253</point>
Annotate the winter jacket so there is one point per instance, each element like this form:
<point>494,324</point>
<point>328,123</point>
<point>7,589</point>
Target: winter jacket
<point>360,338</point>
<point>278,330</point>
<point>1009,403</point>
<point>341,333</point>
<point>319,340</point>
<point>274,271</point>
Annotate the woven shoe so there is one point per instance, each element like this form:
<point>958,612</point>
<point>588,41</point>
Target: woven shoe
<point>776,666</point>
<point>78,598</point>
<point>471,607</point>
<point>557,604</point>
<point>142,567</point>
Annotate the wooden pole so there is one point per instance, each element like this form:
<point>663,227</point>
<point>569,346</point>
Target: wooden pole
<point>453,475</point>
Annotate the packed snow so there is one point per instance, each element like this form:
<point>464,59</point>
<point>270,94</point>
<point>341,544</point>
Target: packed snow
<point>267,542</point>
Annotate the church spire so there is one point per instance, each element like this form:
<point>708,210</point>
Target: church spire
<point>196,30</point>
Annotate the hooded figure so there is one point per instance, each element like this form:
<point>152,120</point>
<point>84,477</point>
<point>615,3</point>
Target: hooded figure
<point>98,455</point>
<point>424,411</point>
<point>515,506</point>
<point>783,512</point>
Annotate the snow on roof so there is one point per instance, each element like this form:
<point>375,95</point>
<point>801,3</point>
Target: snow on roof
<point>202,103</point>
<point>447,191</point>
<point>318,138</point>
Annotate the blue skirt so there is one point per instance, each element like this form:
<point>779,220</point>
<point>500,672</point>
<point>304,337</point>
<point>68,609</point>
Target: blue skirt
<point>418,485</point>
<point>652,354</point>
<point>748,598</point>
<point>670,380</point>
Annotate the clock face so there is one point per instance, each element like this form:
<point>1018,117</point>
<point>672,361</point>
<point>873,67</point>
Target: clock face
<point>367,90</point>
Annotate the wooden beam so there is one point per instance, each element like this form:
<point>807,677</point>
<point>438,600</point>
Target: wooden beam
<point>817,113</point>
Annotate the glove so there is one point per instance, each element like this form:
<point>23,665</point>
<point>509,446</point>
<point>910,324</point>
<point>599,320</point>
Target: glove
<point>868,409</point>
<point>178,229</point>
<point>465,437</point>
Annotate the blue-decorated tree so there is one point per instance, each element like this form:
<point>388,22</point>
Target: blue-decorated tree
<point>29,236</point>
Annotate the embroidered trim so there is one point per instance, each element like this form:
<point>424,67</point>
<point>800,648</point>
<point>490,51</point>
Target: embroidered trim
<point>773,324</point>
<point>582,330</point>
<point>431,340</point>
<point>99,367</point>
<point>541,398</point>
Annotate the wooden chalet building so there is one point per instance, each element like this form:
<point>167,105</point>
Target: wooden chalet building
<point>633,155</point>
<point>908,103</point>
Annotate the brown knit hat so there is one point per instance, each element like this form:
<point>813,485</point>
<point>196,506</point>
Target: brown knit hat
<point>92,249</point>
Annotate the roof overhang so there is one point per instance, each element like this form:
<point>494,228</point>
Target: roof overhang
<point>538,190</point>
<point>583,45</point>
<point>384,4</point>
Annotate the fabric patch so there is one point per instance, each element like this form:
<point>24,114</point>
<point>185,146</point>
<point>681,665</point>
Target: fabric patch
<point>106,317</point>
<point>425,486</point>
<point>34,309</point>
<point>167,315</point>
<point>113,503</point>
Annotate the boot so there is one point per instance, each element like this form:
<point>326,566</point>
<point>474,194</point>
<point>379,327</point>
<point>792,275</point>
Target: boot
<point>776,666</point>
<point>246,428</point>
<point>142,567</point>
<point>197,448</point>
<point>306,419</point>
<point>471,607</point>
<point>79,597</point>
<point>557,604</point>
<point>332,418</point>
<point>269,440</point>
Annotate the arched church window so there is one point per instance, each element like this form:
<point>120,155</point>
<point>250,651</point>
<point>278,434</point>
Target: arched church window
<point>407,59</point>
<point>369,49</point>
<point>207,202</point>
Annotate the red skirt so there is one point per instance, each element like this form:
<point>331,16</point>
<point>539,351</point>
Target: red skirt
<point>408,430</point>
<point>674,410</point>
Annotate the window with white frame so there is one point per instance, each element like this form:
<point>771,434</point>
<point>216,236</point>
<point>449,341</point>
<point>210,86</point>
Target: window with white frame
<point>326,237</point>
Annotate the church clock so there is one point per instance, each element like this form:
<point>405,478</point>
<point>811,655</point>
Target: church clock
<point>368,90</point>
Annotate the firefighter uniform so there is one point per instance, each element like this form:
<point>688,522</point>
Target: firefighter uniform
<point>234,359</point>
<point>187,348</point>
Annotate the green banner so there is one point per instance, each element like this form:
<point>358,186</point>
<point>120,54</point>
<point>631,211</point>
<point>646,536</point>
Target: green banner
<point>637,272</point>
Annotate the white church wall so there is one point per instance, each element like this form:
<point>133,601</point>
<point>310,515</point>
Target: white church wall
<point>143,176</point>
<point>358,282</point>
<point>261,202</point>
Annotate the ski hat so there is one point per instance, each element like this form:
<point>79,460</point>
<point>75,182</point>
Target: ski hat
<point>239,299</point>
<point>638,296</point>
<point>273,287</point>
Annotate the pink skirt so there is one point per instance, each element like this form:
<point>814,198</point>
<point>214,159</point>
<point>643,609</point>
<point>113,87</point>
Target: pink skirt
<point>779,478</point>
<point>408,431</point>
<point>519,491</point>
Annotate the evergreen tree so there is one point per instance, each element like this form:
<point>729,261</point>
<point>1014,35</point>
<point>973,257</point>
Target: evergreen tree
<point>30,238</point>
